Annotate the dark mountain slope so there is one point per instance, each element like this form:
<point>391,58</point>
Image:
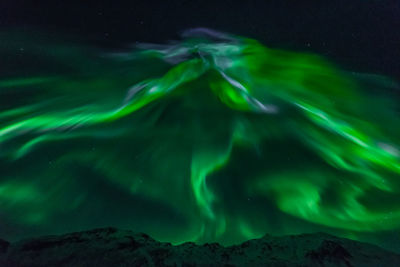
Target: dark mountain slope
<point>112,247</point>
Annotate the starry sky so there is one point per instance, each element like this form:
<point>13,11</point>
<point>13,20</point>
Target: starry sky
<point>271,118</point>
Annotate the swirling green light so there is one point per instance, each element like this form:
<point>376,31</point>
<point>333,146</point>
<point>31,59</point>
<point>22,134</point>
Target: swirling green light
<point>184,110</point>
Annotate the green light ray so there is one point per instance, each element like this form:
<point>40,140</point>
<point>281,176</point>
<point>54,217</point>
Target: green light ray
<point>161,124</point>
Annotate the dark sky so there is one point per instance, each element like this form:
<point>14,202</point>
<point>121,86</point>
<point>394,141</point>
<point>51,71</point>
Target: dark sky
<point>357,33</point>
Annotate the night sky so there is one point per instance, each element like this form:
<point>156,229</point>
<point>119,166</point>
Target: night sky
<point>274,117</point>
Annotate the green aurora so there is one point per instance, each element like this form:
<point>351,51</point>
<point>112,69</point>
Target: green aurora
<point>212,138</point>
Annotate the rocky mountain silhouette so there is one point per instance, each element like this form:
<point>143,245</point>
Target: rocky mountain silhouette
<point>113,247</point>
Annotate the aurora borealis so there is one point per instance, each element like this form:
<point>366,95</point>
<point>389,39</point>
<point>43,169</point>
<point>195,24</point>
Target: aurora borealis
<point>215,137</point>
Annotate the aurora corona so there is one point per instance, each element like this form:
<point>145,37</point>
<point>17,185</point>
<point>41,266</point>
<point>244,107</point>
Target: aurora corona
<point>211,138</point>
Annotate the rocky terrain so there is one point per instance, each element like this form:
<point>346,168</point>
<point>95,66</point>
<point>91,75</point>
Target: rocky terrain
<point>113,247</point>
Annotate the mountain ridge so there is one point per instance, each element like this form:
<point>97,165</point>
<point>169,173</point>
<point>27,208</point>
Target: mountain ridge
<point>114,247</point>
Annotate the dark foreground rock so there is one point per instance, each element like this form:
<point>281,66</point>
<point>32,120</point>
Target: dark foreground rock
<point>112,247</point>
